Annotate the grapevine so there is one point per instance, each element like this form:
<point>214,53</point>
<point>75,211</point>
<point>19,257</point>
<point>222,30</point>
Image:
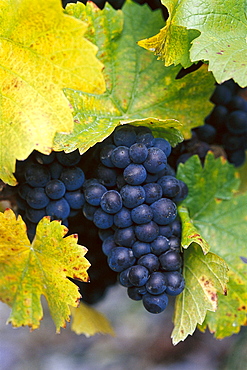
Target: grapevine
<point>131,157</point>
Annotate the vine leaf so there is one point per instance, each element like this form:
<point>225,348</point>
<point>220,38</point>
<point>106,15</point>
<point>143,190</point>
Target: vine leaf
<point>43,51</point>
<point>212,31</point>
<point>172,44</point>
<point>220,216</point>
<point>88,321</point>
<point>190,233</point>
<point>205,275</point>
<point>138,88</point>
<point>29,271</point>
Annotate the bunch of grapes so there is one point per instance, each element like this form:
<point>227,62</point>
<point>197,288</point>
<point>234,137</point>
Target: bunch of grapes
<point>50,185</point>
<point>224,131</point>
<point>132,200</point>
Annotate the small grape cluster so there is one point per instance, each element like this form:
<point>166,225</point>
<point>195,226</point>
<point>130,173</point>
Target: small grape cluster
<point>50,185</point>
<point>132,200</point>
<point>224,131</point>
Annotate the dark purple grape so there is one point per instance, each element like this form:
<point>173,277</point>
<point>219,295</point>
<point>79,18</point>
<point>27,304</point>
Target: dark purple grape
<point>147,232</point>
<point>125,237</point>
<point>120,258</point>
<point>138,275</point>
<point>170,260</point>
<point>155,303</point>
<point>55,189</point>
<point>164,211</point>
<point>150,261</point>
<point>142,214</point>
<point>156,283</point>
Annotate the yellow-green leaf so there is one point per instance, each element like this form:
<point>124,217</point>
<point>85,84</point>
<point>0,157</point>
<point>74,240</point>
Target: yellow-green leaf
<point>205,276</point>
<point>42,51</point>
<point>29,271</point>
<point>138,87</point>
<point>88,321</point>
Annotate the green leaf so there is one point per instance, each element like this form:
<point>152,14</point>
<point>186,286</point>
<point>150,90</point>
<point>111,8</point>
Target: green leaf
<point>138,88</point>
<point>43,50</point>
<point>220,216</point>
<point>172,44</point>
<point>204,275</point>
<point>207,185</point>
<point>211,31</point>
<point>29,271</point>
<point>190,233</point>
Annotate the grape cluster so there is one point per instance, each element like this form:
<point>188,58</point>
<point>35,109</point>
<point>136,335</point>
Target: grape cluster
<point>224,131</point>
<point>50,185</point>
<point>132,201</point>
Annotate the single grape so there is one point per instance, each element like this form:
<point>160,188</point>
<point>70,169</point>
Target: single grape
<point>123,218</point>
<point>120,258</point>
<point>125,237</point>
<point>72,177</point>
<point>142,214</point>
<point>138,153</point>
<point>170,186</point>
<point>138,275</point>
<point>156,160</point>
<point>111,202</point>
<point>153,192</point>
<point>102,219</point>
<point>164,211</point>
<point>135,174</point>
<point>37,175</point>
<point>55,189</point>
<point>150,261</point>
<point>160,245</point>
<point>141,248</point>
<point>175,282</point>
<point>58,209</point>
<point>155,303</point>
<point>132,196</point>
<point>156,283</point>
<point>147,232</point>
<point>120,157</point>
<point>37,198</point>
<point>124,136</point>
<point>170,260</point>
<point>75,199</point>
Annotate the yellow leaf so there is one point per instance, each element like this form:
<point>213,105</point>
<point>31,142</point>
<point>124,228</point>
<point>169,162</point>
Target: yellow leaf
<point>42,51</point>
<point>88,321</point>
<point>29,271</point>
